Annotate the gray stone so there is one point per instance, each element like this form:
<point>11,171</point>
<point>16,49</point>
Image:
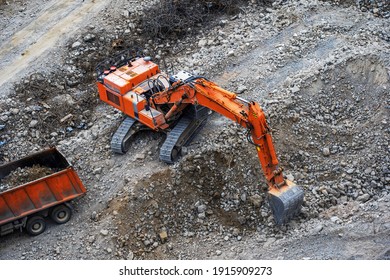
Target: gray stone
<point>368,170</point>
<point>326,151</point>
<point>76,45</point>
<point>201,208</point>
<point>202,215</point>
<point>91,239</point>
<point>202,43</point>
<point>184,151</point>
<point>130,255</point>
<point>97,171</point>
<point>241,89</point>
<point>14,111</point>
<point>335,219</point>
<point>290,177</point>
<point>363,198</point>
<point>104,232</point>
<point>318,229</point>
<point>89,38</point>
<point>269,242</point>
<point>231,53</point>
<point>256,200</point>
<point>126,13</point>
<point>350,170</point>
<point>33,123</point>
<point>140,156</point>
<point>295,89</point>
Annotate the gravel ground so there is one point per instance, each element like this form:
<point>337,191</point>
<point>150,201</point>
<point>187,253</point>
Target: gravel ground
<point>320,71</point>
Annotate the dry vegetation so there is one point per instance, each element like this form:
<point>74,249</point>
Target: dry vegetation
<point>177,18</point>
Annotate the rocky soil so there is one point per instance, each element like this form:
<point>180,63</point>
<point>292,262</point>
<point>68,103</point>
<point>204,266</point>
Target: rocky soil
<point>320,70</point>
<point>21,176</point>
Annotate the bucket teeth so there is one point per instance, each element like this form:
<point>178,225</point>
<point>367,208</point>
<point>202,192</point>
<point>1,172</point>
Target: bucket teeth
<point>286,204</point>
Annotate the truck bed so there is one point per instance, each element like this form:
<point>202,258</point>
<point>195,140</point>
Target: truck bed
<point>61,186</point>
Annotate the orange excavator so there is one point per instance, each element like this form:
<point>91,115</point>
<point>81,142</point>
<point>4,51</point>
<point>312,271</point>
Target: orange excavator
<point>179,106</point>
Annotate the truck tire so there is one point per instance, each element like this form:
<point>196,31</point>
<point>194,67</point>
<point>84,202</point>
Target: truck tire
<point>35,225</point>
<point>61,214</point>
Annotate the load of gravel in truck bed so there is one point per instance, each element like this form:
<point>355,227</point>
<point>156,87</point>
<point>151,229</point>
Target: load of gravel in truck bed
<point>24,175</point>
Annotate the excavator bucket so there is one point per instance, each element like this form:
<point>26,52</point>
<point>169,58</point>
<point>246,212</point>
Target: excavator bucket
<point>285,202</point>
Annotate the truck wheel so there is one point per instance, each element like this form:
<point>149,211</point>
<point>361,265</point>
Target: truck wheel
<point>61,214</point>
<point>36,225</point>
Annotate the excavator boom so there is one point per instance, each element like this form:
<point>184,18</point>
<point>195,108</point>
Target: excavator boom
<point>178,105</point>
<point>285,197</point>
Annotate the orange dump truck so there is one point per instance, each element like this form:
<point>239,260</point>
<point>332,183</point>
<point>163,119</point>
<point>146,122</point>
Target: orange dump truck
<point>28,204</point>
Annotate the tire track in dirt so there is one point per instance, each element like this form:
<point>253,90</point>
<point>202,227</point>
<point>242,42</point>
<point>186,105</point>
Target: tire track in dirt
<point>56,23</point>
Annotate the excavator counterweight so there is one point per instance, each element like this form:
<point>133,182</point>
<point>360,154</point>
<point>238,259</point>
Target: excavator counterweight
<point>179,105</point>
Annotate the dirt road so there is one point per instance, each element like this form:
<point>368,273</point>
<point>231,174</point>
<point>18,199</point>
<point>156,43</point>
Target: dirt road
<point>42,33</point>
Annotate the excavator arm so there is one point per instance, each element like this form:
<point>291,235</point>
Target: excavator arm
<point>285,197</point>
